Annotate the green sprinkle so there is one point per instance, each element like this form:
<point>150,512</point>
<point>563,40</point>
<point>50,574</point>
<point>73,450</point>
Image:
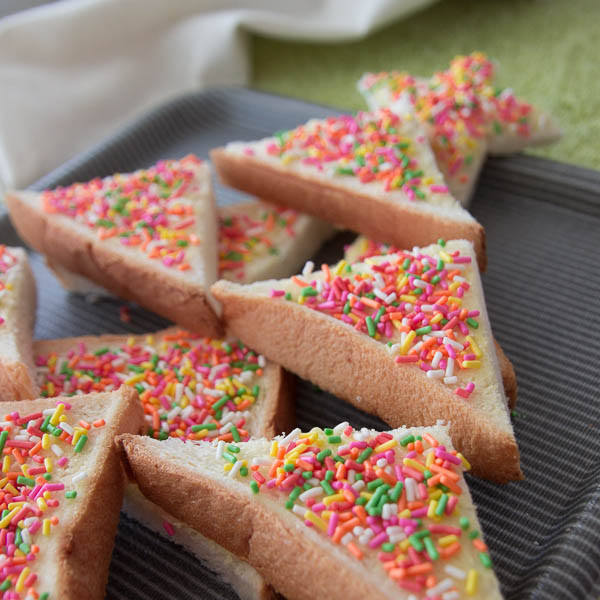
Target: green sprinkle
<point>440,265</point>
<point>423,330</point>
<point>474,534</point>
<point>409,439</point>
<point>26,481</point>
<point>136,369</point>
<point>236,434</point>
<point>4,437</point>
<point>344,171</point>
<point>485,559</point>
<point>361,501</point>
<point>244,471</point>
<point>379,314</point>
<point>80,443</point>
<point>441,505</point>
<point>347,308</point>
<point>406,263</point>
<point>233,448</point>
<point>295,493</point>
<point>334,439</point>
<point>327,487</point>
<point>163,435</point>
<point>254,487</point>
<point>43,426</point>
<point>105,223</point>
<point>395,493</point>
<point>364,455</point>
<point>229,457</point>
<point>221,402</point>
<point>307,486</point>
<point>308,291</point>
<point>5,585</point>
<point>207,426</point>
<point>416,543</point>
<point>436,279</point>
<point>329,475</point>
<point>371,327</point>
<point>359,476</point>
<point>430,547</point>
<point>101,351</point>
<point>289,504</point>
<point>307,474</point>
<point>442,242</point>
<point>373,485</point>
<point>71,494</point>
<point>45,596</point>
<point>338,458</point>
<point>473,323</point>
<point>289,467</point>
<point>328,431</point>
<point>323,454</point>
<point>24,548</point>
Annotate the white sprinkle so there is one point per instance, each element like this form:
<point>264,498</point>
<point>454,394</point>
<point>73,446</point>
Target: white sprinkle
<point>456,345</point>
<point>299,510</point>
<point>259,461</point>
<point>48,411</point>
<point>366,536</point>
<point>246,376</point>
<point>290,437</point>
<point>450,380</point>
<point>213,393</point>
<point>225,428</point>
<point>381,463</point>
<point>436,359</point>
<point>262,363</point>
<point>312,493</point>
<point>435,374</point>
<point>189,393</point>
<point>347,538</point>
<point>441,587</point>
<point>411,489</point>
<point>419,283</point>
<point>57,450</point>
<point>358,530</point>
<point>340,427</point>
<point>25,536</point>
<point>381,295</point>
<point>66,427</point>
<point>450,367</point>
<point>455,572</point>
<point>453,595</point>
<point>235,469</point>
<point>187,411</point>
<point>427,307</point>
<point>358,485</point>
<point>220,448</point>
<point>351,476</point>
<point>397,537</point>
<point>412,596</point>
<point>173,413</point>
<point>78,477</point>
<point>390,298</point>
<point>313,481</point>
<point>437,334</point>
<point>319,286</point>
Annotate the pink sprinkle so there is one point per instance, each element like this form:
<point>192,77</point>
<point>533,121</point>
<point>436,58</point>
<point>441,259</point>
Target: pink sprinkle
<point>438,189</point>
<point>333,521</point>
<point>168,527</point>
<point>277,293</point>
<point>248,151</point>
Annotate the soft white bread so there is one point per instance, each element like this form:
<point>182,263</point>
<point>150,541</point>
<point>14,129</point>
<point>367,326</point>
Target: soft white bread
<point>247,583</point>
<point>271,414</point>
<point>281,241</point>
<point>257,241</point>
<point>102,251</point>
<point>355,366</point>
<point>411,207</point>
<point>255,512</point>
<point>362,248</point>
<point>17,318</point>
<point>74,555</point>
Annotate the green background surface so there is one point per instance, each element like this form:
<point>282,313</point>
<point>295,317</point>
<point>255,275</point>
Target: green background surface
<point>548,52</point>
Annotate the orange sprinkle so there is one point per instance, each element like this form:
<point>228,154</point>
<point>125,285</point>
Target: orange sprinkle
<point>98,423</point>
<point>299,282</point>
<point>419,569</point>
<point>449,550</point>
<point>480,545</point>
<point>355,550</point>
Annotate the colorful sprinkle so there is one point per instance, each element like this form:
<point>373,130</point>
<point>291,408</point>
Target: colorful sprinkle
<point>7,262</point>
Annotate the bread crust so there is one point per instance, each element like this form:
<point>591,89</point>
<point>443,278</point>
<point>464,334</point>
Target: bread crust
<point>261,538</point>
<point>378,219</point>
<point>82,559</point>
<point>361,371</point>
<point>67,244</point>
<point>509,378</point>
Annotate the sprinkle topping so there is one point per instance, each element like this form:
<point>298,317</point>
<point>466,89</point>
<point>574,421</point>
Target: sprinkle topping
<point>7,261</point>
<point>460,105</point>
<point>379,147</point>
<point>190,387</point>
<point>151,209</point>
<point>244,239</point>
<point>410,301</point>
<point>383,496</point>
<point>36,450</point>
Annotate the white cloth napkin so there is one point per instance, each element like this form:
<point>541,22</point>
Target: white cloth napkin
<point>73,72</point>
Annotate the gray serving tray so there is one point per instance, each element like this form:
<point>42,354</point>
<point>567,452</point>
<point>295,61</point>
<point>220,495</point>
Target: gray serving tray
<point>543,292</point>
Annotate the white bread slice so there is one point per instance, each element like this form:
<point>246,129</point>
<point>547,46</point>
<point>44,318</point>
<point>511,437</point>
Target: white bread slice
<point>282,240</point>
<point>271,413</point>
<point>17,318</point>
<point>362,248</point>
<point>245,580</point>
<point>248,509</point>
<point>358,368</point>
<point>137,271</point>
<point>74,557</point>
<point>464,114</point>
<point>413,207</point>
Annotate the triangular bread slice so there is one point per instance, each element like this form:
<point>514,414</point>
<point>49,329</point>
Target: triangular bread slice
<point>62,490</point>
<point>336,513</point>
<point>17,318</point>
<point>374,173</point>
<point>405,337</point>
<point>362,248</point>
<point>257,241</point>
<point>130,357</point>
<point>465,115</point>
<point>148,236</point>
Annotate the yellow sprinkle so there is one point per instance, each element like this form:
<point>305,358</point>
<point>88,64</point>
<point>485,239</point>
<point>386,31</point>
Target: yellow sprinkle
<point>407,298</point>
<point>429,460</point>
<point>447,540</point>
<point>385,446</point>
<point>397,324</point>
<point>455,300</point>
<point>25,470</point>
<point>402,281</point>
<point>76,436</point>
<point>21,581</point>
<point>309,515</point>
<point>275,449</point>
<point>47,495</point>
<point>435,494</point>
<point>331,499</point>
<point>404,544</point>
<point>476,349</point>
<point>7,519</point>
<point>135,379</point>
<point>410,462</point>
<point>408,340</point>
<point>342,264</point>
<point>471,585</point>
<point>48,464</point>
<point>51,389</point>
<point>445,256</point>
<point>11,489</point>
<point>227,466</point>
<point>366,495</point>
<point>465,462</point>
<point>46,527</point>
<point>46,442</point>
<point>405,514</point>
<point>431,509</point>
<point>471,364</point>
<point>131,341</point>
<point>436,319</point>
<point>201,434</point>
<point>3,482</point>
<point>62,418</point>
<point>453,286</point>
<point>9,286</point>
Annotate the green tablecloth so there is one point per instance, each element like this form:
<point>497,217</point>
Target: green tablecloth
<point>548,51</point>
